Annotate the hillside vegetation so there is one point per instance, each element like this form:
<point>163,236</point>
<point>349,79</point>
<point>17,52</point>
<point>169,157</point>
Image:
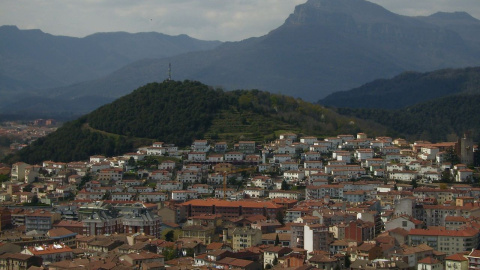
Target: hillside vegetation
<point>443,119</point>
<point>180,112</point>
<point>408,89</point>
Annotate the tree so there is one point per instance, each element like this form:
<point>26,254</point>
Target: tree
<point>35,199</point>
<point>451,156</point>
<point>277,240</point>
<point>169,236</point>
<point>4,178</point>
<point>347,261</point>
<point>280,217</point>
<point>285,185</point>
<point>170,253</point>
<point>414,183</point>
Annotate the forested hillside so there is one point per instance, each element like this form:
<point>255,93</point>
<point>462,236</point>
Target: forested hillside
<point>180,112</point>
<point>408,89</point>
<point>437,120</point>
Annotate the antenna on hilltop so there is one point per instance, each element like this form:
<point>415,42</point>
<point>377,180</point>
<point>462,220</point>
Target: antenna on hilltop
<point>169,72</point>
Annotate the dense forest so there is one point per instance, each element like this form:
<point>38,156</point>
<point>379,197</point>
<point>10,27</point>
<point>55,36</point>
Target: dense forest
<point>180,112</point>
<point>408,89</point>
<point>443,119</point>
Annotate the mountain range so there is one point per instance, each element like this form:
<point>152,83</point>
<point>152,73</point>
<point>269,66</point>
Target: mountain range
<point>32,61</point>
<point>323,47</point>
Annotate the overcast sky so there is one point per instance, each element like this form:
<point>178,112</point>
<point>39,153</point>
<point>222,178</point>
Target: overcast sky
<point>225,20</point>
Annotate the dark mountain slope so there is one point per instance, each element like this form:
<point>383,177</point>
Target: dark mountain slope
<point>443,119</point>
<point>408,89</point>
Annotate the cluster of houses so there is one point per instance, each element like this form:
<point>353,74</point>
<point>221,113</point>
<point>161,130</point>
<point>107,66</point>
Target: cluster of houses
<point>345,202</point>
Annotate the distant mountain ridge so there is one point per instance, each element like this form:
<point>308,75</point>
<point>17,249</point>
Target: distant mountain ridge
<point>408,89</point>
<point>33,60</point>
<point>323,47</point>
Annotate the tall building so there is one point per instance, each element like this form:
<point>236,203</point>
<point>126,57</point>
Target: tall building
<point>466,149</point>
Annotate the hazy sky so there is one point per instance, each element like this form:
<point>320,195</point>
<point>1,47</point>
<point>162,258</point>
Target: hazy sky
<point>225,20</point>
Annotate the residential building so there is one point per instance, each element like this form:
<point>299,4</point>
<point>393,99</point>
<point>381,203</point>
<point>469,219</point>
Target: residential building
<point>244,237</point>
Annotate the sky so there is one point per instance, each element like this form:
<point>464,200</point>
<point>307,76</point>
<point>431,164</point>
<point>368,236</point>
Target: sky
<point>224,20</point>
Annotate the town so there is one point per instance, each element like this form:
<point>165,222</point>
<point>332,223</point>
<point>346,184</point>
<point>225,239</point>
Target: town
<point>299,202</point>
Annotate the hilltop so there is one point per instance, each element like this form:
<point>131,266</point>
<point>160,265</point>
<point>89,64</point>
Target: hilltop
<point>180,112</point>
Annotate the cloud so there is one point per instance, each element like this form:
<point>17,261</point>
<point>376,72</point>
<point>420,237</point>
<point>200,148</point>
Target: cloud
<point>206,19</point>
<point>226,20</point>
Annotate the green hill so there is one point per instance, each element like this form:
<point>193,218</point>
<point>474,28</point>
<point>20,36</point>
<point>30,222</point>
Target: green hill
<point>180,112</point>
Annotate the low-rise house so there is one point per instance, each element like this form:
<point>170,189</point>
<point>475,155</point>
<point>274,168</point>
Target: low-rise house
<point>254,192</point>
<point>161,175</point>
<point>404,222</point>
<point>456,261</point>
<point>123,196</point>
<point>184,195</point>
<point>294,176</point>
<point>110,174</point>
<point>206,234</point>
<point>50,253</point>
<point>153,196</point>
<point>429,263</point>
<point>144,260</point>
<point>216,158</point>
<point>197,156</point>
<point>271,255</point>
<point>288,194</point>
<point>215,178</point>
<point>464,175</point>
<point>169,185</point>
<point>234,156</point>
<point>189,176</point>
<point>201,189</point>
<point>19,261</point>
<point>168,165</point>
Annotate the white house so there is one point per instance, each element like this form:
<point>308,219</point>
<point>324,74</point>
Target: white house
<point>311,156</point>
<point>169,185</point>
<point>403,175</point>
<point>292,176</point>
<point>161,175</point>
<point>200,146</point>
<point>184,195</point>
<point>288,194</point>
<point>254,192</point>
<point>364,154</point>
<point>464,175</point>
<point>188,176</point>
<point>201,188</point>
<point>153,197</point>
<point>310,140</point>
<point>233,156</point>
<point>288,166</point>
<point>197,156</point>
